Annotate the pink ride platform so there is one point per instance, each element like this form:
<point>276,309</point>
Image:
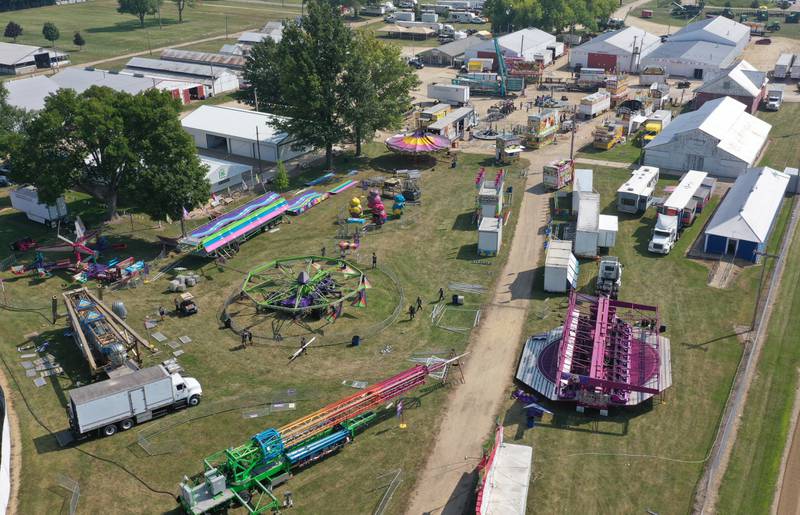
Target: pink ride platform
<point>607,353</point>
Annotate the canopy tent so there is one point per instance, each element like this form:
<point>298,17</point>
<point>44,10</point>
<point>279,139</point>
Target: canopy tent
<point>417,143</point>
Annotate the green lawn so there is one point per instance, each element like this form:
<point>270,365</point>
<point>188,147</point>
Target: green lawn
<point>108,33</point>
<point>627,152</point>
<point>434,244</point>
<point>763,432</point>
<point>674,435</point>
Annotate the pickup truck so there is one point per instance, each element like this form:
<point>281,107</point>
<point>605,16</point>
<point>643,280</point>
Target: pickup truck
<point>665,234</point>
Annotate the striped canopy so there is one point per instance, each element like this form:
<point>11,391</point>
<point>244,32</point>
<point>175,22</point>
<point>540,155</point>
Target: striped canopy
<point>417,143</point>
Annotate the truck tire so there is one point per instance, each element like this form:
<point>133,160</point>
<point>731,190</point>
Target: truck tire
<point>194,400</point>
<point>246,496</point>
<point>126,424</point>
<point>109,430</point>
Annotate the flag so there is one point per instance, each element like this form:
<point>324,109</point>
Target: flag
<point>360,300</point>
<point>185,213</point>
<point>365,283</point>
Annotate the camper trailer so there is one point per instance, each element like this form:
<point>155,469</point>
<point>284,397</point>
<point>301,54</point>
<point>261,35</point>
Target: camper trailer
<point>636,194</point>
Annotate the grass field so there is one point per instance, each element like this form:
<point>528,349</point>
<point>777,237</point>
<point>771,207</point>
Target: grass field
<point>627,152</point>
<point>764,428</point>
<point>108,33</point>
<point>433,244</point>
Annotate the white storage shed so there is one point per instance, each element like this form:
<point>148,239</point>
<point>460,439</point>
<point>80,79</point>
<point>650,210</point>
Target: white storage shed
<point>635,194</point>
<point>587,229</point>
<point>224,175</point>
<point>490,236</point>
<point>240,132</point>
<point>561,268</point>
<point>608,226</point>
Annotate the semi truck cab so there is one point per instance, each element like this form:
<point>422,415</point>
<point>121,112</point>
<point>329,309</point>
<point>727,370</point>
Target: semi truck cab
<point>665,234</point>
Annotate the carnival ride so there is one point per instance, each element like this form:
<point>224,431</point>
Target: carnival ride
<point>306,286</point>
<point>246,474</point>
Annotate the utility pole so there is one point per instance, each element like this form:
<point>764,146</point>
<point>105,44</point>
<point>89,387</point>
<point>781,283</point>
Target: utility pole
<point>255,96</point>
<point>258,151</point>
<point>574,127</point>
<point>760,285</point>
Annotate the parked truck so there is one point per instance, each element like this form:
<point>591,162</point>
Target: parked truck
<point>449,93</point>
<point>782,66</point>
<point>594,104</point>
<point>665,234</point>
<point>609,277</point>
<point>26,199</point>
<point>124,400</point>
<point>774,97</point>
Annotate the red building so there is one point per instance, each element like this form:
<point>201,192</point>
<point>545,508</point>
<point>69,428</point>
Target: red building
<point>741,82</point>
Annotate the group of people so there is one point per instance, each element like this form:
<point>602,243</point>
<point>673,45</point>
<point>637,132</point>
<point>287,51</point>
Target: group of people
<point>415,308</point>
<point>247,337</point>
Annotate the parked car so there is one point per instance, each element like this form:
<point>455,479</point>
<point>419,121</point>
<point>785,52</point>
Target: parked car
<point>416,63</point>
<point>4,181</point>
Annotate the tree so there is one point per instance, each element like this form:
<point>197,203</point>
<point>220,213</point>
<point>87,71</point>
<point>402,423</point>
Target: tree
<point>281,181</point>
<point>109,143</point>
<point>50,32</point>
<point>306,86</point>
<point>378,82</point>
<point>138,8</point>
<point>12,123</point>
<point>78,40</point>
<point>13,30</point>
<point>181,5</point>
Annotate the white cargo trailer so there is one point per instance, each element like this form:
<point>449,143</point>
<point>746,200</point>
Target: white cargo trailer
<point>607,226</point>
<point>449,93</point>
<point>594,104</point>
<point>561,268</point>
<point>404,16</point>
<point>587,229</point>
<point>26,199</point>
<point>794,70</point>
<point>122,401</point>
<point>782,66</point>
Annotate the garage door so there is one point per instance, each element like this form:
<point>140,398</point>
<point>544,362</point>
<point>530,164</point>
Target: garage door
<point>606,61</point>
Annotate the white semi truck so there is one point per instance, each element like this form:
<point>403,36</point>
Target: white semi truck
<point>124,400</point>
<point>665,234</point>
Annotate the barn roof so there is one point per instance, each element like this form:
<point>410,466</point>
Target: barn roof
<point>622,39</point>
<point>725,119</point>
<point>714,30</point>
<point>740,80</point>
<point>748,210</point>
<point>703,52</point>
<point>235,123</point>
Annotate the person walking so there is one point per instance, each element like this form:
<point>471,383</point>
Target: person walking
<point>322,251</point>
<point>374,260</point>
<point>411,312</point>
<point>244,337</point>
<point>162,312</point>
<point>441,294</point>
<point>419,303</point>
<point>250,337</point>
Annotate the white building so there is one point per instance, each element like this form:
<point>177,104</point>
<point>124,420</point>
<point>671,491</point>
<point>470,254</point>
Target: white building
<point>619,51</point>
<point>17,59</point>
<point>217,79</point>
<point>529,44</point>
<point>240,132</point>
<point>701,49</point>
<point>720,138</point>
<point>224,175</point>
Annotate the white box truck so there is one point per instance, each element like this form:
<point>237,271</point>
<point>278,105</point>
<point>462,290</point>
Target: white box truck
<point>26,199</point>
<point>449,93</point>
<point>774,97</point>
<point>463,17</point>
<point>594,104</point>
<point>122,401</point>
<point>782,66</point>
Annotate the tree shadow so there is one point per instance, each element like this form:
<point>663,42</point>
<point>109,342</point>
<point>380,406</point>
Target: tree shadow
<point>132,25</point>
<point>392,162</point>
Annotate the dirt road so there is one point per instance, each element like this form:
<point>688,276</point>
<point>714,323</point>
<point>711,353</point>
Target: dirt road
<point>787,493</point>
<point>446,482</point>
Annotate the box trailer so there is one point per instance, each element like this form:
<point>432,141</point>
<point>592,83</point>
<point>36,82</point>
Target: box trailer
<point>404,16</point>
<point>124,400</point>
<point>782,66</point>
<point>583,183</point>
<point>794,70</point>
<point>636,194</point>
<point>374,10</point>
<point>429,17</point>
<point>26,199</point>
<point>490,236</point>
<point>561,268</point>
<point>607,229</point>
<point>594,104</point>
<point>587,229</point>
<point>449,93</point>
<point>680,203</point>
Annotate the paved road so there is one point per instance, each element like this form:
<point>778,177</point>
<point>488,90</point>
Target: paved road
<point>445,484</point>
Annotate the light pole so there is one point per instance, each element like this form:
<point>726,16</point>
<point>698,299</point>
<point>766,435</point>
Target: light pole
<point>760,285</point>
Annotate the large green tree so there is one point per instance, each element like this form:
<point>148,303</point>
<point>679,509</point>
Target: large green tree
<point>12,122</point>
<point>110,145</point>
<point>378,82</point>
<point>138,8</point>
<point>549,15</point>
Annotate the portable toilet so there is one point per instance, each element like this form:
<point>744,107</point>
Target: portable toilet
<point>490,235</point>
<point>561,268</point>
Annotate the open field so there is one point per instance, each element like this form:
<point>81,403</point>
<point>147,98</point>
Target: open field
<point>763,431</point>
<point>108,33</point>
<point>663,444</point>
<point>627,152</point>
<point>433,244</point>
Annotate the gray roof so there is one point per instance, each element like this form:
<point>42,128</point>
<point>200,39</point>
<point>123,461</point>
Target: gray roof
<point>210,58</point>
<point>13,53</point>
<point>30,93</point>
<point>623,39</point>
<point>144,65</point>
<point>81,79</point>
<point>117,384</point>
<point>714,30</point>
<point>740,80</point>
<point>454,48</point>
<point>695,51</point>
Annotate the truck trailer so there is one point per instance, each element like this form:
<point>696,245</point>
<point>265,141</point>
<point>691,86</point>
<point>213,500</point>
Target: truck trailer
<point>782,66</point>
<point>124,400</point>
<point>449,93</point>
<point>26,199</point>
<point>594,104</point>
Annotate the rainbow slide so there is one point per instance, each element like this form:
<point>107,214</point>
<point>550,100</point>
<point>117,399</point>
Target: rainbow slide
<point>343,186</point>
<point>304,202</point>
<point>235,224</point>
